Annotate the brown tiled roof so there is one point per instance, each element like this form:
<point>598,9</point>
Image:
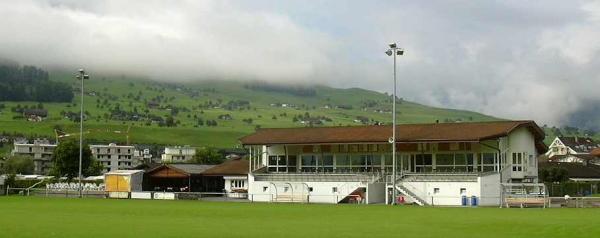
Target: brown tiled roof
<point>579,144</point>
<point>189,169</point>
<point>448,132</point>
<point>229,167</point>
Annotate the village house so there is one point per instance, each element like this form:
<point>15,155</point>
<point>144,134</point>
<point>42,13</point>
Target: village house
<point>116,157</point>
<point>36,115</point>
<point>178,154</point>
<point>437,164</point>
<point>573,150</point>
<point>40,151</point>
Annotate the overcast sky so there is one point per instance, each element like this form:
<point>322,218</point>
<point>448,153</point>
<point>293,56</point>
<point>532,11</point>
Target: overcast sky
<point>512,59</point>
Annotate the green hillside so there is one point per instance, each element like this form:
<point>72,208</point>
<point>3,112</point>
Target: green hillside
<point>115,103</point>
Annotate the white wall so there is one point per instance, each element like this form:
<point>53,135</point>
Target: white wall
<point>522,140</point>
<point>322,192</point>
<point>449,192</point>
<point>376,193</point>
<point>490,190</point>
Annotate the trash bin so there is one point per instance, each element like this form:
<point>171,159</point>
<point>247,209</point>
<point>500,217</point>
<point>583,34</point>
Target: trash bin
<point>464,200</point>
<point>474,201</point>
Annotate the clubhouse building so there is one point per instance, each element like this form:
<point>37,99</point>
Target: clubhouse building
<point>437,164</point>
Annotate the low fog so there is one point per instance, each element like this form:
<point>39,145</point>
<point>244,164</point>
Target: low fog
<point>510,59</point>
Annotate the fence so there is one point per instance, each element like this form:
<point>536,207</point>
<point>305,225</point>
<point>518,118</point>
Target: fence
<point>575,189</point>
<point>574,202</point>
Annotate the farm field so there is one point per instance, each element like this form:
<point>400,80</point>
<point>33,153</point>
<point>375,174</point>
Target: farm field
<point>60,217</point>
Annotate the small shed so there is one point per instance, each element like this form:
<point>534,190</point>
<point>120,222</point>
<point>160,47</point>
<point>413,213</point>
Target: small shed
<point>176,178</point>
<point>121,182</point>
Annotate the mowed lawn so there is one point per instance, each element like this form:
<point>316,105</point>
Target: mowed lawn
<point>59,217</point>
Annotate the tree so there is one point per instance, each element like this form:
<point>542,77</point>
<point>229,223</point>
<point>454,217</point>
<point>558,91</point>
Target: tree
<point>18,164</point>
<point>66,159</point>
<point>207,155</point>
<point>169,121</point>
<point>554,174</point>
<point>95,168</point>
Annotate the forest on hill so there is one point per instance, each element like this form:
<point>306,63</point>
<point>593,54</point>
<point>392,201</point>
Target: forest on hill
<point>29,83</point>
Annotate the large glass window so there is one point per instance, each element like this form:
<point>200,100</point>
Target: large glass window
<point>488,162</point>
<point>444,162</point>
<point>292,163</point>
<point>454,162</point>
<point>422,163</point>
<point>328,163</point>
<point>277,163</point>
<point>309,163</point>
<point>342,163</point>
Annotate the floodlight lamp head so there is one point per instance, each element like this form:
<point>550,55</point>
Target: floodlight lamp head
<point>85,76</point>
<point>81,71</point>
<point>400,51</point>
<point>389,52</point>
<point>393,45</point>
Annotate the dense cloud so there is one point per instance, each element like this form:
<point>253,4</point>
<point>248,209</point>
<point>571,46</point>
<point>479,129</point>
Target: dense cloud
<point>512,59</point>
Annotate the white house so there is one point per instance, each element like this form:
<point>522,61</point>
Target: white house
<point>437,164</point>
<point>573,150</point>
<point>178,154</point>
<point>40,151</point>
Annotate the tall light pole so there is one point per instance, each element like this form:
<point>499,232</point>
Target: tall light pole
<point>393,51</point>
<point>81,76</point>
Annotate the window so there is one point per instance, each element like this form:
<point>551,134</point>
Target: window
<point>436,190</point>
<point>310,189</point>
<point>309,163</point>
<point>334,189</point>
<point>517,162</point>
<point>328,163</point>
<point>444,162</point>
<point>265,189</point>
<point>342,163</point>
<point>463,191</point>
<point>487,162</point>
<point>422,163</point>
<point>277,163</point>
<point>292,162</point>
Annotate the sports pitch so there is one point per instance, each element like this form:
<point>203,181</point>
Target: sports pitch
<point>61,217</point>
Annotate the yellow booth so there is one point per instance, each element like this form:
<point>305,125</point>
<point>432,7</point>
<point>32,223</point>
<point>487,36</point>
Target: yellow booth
<point>120,183</point>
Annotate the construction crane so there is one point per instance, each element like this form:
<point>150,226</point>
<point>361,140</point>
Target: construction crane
<point>61,134</point>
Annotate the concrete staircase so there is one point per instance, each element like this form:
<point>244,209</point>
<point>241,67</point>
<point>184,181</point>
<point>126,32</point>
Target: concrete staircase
<point>405,191</point>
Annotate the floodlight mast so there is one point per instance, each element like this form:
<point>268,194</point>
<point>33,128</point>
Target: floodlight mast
<point>393,51</point>
<point>81,76</point>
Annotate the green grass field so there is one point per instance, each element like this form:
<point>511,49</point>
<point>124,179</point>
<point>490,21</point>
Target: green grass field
<point>57,217</point>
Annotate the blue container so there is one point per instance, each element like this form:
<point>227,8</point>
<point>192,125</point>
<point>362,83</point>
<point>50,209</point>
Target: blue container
<point>474,201</point>
<point>464,201</point>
